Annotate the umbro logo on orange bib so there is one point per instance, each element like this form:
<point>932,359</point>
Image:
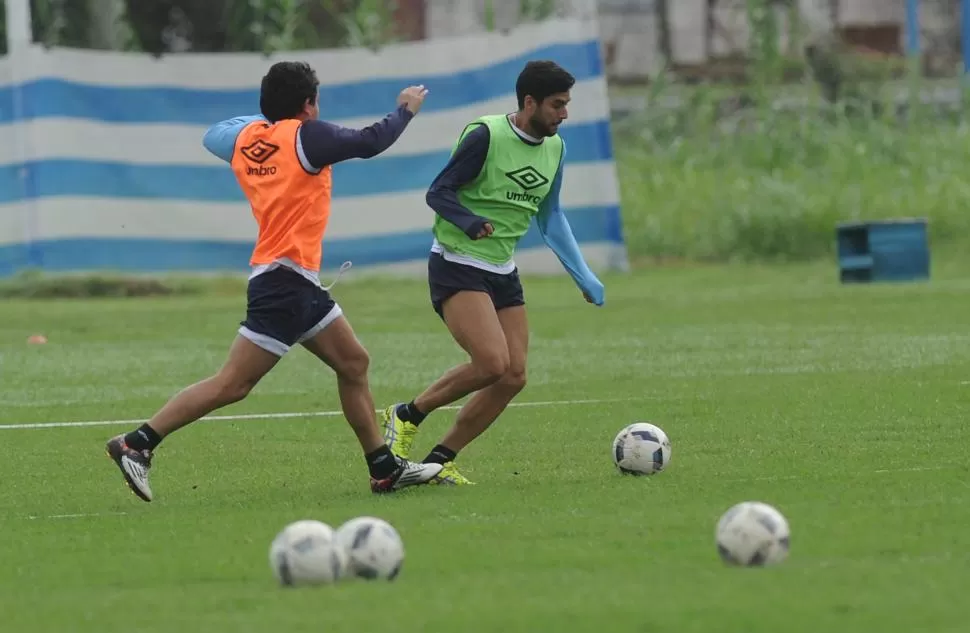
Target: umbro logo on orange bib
<point>290,204</point>
<point>259,151</point>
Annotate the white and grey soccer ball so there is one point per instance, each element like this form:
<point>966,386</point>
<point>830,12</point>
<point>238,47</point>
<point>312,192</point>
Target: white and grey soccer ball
<point>374,548</point>
<point>752,534</point>
<point>641,449</point>
<point>305,553</point>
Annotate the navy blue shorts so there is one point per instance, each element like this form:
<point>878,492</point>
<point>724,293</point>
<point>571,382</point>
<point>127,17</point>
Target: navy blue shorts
<point>284,308</point>
<point>446,279</point>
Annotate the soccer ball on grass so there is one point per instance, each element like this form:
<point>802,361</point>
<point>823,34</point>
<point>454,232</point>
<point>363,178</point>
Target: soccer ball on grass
<point>374,548</point>
<point>752,534</point>
<point>641,449</point>
<point>306,553</point>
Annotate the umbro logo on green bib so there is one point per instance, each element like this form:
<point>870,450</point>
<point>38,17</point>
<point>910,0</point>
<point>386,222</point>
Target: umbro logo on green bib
<point>527,178</point>
<point>514,181</point>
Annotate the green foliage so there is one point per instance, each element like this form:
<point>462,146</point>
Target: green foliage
<point>166,26</point>
<point>61,22</point>
<point>266,25</point>
<point>764,55</point>
<point>529,11</point>
<point>366,23</point>
<point>488,16</point>
<point>771,184</point>
<point>270,25</point>
<point>535,10</point>
<point>849,77</point>
<point>765,183</point>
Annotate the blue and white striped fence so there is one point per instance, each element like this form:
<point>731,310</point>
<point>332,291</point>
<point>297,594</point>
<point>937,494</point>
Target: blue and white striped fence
<point>102,167</point>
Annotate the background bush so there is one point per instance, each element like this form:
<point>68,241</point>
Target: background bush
<point>773,184</point>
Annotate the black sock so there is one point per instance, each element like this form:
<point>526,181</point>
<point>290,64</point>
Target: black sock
<point>409,413</point>
<point>144,438</point>
<point>381,463</point>
<point>440,455</point>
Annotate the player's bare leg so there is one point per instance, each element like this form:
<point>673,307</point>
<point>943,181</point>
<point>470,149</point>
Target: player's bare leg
<point>338,347</point>
<point>484,407</point>
<point>475,326</point>
<point>245,366</point>
<point>471,318</point>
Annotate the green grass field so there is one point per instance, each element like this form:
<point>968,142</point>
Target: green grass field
<point>845,407</point>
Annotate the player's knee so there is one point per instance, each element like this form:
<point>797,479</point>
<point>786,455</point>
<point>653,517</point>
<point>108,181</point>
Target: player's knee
<point>514,379</point>
<point>492,366</point>
<point>232,389</point>
<point>354,367</point>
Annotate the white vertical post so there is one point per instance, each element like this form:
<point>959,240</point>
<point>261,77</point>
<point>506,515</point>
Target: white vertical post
<point>18,25</point>
<point>19,37</point>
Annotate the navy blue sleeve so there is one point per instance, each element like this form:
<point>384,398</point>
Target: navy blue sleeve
<point>464,167</point>
<point>327,144</point>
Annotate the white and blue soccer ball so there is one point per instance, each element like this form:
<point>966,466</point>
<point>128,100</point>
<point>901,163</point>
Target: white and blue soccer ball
<point>305,553</point>
<point>641,449</point>
<point>374,548</point>
<point>752,534</point>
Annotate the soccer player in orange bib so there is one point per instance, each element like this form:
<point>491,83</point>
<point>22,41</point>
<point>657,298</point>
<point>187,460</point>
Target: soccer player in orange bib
<point>282,160</point>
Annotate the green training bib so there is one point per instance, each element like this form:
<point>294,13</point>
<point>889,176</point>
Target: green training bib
<point>512,184</point>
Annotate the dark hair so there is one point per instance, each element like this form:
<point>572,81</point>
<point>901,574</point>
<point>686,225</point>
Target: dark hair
<point>285,90</point>
<point>542,78</point>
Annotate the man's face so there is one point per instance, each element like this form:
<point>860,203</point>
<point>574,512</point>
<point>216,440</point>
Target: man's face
<point>546,116</point>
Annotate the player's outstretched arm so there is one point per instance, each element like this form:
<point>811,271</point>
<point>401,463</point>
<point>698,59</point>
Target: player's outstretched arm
<point>558,236</point>
<point>220,139</point>
<point>324,143</point>
<point>463,167</point>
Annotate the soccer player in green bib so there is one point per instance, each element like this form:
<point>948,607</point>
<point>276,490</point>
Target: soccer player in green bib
<point>505,170</point>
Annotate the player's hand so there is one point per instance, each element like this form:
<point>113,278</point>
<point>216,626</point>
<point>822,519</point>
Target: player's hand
<point>412,97</point>
<point>487,229</point>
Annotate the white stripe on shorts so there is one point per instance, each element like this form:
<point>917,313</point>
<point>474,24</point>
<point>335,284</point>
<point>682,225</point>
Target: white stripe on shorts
<point>335,313</point>
<point>280,348</point>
